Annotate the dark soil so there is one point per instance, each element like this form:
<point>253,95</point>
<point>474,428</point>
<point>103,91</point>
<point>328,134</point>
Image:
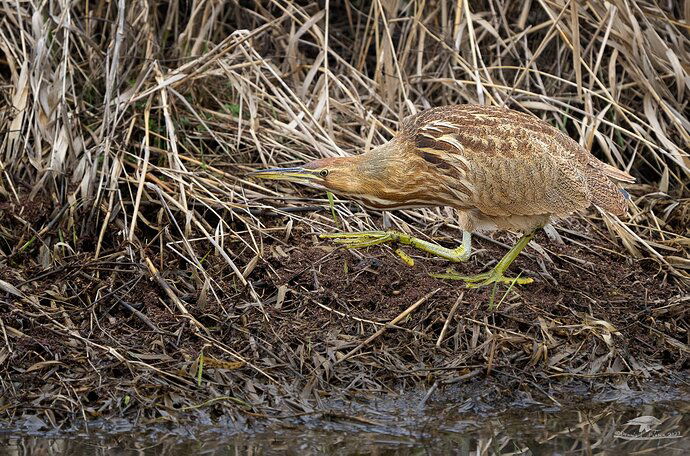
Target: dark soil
<point>107,337</point>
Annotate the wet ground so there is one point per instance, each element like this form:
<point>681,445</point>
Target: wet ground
<point>624,427</point>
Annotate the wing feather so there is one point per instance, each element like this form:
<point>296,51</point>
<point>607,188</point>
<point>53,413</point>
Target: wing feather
<point>511,163</point>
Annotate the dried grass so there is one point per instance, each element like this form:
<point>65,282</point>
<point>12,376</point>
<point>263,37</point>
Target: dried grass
<point>126,131</point>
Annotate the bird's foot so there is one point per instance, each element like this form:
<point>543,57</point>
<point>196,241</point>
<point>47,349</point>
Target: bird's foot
<point>370,238</point>
<point>485,278</point>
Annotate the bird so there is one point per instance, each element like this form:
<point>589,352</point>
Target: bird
<point>498,168</point>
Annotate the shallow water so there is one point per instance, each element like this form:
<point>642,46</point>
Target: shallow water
<point>662,428</point>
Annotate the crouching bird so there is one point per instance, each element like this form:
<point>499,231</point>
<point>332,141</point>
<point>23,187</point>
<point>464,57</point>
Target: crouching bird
<point>499,168</point>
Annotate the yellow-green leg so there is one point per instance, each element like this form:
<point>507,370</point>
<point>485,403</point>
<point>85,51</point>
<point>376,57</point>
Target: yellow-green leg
<point>495,275</point>
<point>369,238</point>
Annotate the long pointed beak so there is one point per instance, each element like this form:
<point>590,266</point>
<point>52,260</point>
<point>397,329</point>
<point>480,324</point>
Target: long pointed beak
<point>298,174</point>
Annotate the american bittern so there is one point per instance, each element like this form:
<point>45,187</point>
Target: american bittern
<point>499,168</point>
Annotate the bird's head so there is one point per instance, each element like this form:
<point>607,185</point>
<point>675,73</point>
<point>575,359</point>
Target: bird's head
<point>332,174</point>
<point>383,178</point>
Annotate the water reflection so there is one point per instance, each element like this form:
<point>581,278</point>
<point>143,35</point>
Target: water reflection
<point>658,429</point>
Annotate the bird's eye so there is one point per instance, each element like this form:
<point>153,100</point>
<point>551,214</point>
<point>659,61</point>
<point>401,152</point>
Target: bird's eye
<point>323,173</point>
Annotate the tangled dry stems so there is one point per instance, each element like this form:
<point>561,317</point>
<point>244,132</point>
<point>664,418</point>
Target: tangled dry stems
<point>135,252</point>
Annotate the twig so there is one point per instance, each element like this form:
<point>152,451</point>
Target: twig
<point>374,336</point>
<point>173,297</point>
<point>428,395</point>
<point>448,319</point>
<point>141,316</point>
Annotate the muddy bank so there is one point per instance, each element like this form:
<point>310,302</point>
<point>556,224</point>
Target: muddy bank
<point>89,338</point>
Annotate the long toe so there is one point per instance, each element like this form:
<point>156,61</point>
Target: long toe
<point>360,239</point>
<point>500,278</point>
<point>483,279</point>
<point>452,275</point>
<point>352,235</point>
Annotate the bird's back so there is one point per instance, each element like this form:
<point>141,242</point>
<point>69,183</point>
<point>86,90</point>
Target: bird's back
<point>506,163</point>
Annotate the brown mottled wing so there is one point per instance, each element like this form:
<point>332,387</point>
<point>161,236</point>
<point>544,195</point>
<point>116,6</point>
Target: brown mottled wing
<point>501,161</point>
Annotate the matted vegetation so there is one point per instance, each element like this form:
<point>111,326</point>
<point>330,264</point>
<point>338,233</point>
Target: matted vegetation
<point>143,275</point>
